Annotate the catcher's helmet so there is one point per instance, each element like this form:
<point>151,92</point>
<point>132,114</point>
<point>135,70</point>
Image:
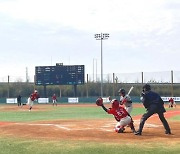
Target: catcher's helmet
<point>122,91</point>
<point>146,87</point>
<point>115,103</point>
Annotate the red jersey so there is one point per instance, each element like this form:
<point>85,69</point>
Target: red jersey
<point>171,100</point>
<point>34,96</point>
<point>118,113</point>
<point>54,97</point>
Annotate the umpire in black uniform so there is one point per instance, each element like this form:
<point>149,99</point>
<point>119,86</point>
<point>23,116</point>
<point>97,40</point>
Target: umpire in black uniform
<point>154,104</point>
<point>19,100</point>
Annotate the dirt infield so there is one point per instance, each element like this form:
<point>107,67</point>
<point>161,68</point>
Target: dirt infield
<point>90,130</point>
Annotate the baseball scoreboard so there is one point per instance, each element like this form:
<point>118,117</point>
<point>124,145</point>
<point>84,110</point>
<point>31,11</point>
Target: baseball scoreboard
<point>59,75</point>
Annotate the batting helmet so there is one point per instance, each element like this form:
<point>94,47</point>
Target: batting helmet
<point>146,87</point>
<point>115,103</point>
<point>122,91</point>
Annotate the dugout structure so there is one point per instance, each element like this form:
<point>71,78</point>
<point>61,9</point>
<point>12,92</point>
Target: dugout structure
<point>59,75</point>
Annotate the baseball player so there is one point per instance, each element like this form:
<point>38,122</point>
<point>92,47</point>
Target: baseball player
<point>172,103</point>
<point>125,100</point>
<point>19,100</point>
<point>120,114</point>
<point>54,99</point>
<point>154,104</point>
<point>34,96</point>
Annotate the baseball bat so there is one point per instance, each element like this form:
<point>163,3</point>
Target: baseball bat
<point>130,90</point>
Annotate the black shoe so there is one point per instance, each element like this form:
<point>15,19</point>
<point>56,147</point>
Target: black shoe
<point>137,133</point>
<point>168,132</point>
<point>121,130</point>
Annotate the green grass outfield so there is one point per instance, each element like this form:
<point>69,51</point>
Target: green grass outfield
<point>12,145</point>
<point>62,112</point>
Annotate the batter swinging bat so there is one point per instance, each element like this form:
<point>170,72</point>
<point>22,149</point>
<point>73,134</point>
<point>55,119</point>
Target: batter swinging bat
<point>130,90</point>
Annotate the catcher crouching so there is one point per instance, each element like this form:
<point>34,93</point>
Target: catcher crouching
<point>120,114</point>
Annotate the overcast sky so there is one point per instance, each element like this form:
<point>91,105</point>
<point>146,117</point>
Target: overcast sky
<point>144,35</point>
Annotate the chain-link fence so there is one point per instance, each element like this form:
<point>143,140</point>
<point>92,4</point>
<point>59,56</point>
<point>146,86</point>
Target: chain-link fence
<point>137,77</point>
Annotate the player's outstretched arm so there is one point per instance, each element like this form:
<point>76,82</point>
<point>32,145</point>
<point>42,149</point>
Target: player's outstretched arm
<point>99,102</point>
<point>104,108</point>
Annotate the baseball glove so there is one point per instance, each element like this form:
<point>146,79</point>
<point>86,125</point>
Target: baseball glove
<point>99,101</point>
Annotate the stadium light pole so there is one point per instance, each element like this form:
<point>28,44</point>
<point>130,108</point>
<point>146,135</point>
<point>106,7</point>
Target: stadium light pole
<point>101,37</point>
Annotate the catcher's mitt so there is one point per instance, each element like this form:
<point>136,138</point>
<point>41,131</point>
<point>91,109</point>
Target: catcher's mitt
<point>99,101</point>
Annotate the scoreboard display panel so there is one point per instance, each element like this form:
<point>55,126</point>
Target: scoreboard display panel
<point>59,75</point>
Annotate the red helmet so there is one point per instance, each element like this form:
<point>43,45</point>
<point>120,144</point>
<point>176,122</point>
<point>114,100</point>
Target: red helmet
<point>115,103</point>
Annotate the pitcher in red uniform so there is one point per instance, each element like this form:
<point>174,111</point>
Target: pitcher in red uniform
<point>120,114</point>
<point>34,96</point>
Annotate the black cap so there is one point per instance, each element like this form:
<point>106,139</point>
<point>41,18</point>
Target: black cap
<point>122,91</point>
<point>146,87</point>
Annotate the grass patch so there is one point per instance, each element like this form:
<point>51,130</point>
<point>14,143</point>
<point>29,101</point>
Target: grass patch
<point>21,146</point>
<point>71,112</point>
<point>74,112</point>
<point>175,118</point>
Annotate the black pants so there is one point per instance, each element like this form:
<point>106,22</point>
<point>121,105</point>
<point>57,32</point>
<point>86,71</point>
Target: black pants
<point>152,110</point>
<point>19,103</point>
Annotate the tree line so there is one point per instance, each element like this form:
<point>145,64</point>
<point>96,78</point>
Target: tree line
<point>90,89</point>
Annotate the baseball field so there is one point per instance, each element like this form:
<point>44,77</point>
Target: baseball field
<point>82,129</point>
